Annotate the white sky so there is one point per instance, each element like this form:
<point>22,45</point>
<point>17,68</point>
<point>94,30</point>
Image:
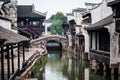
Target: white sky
<point>53,6</point>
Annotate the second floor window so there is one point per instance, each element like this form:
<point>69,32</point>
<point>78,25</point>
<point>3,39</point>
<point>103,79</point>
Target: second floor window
<point>35,23</point>
<point>21,23</point>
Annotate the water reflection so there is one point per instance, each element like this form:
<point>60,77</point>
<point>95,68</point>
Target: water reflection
<point>60,66</point>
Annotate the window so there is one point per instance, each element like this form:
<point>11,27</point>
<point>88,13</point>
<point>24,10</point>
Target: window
<point>48,29</point>
<point>35,23</point>
<point>22,23</point>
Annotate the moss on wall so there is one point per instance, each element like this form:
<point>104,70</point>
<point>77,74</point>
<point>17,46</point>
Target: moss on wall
<point>36,68</point>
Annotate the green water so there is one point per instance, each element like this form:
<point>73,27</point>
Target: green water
<point>61,66</point>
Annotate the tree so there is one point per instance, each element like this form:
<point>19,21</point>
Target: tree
<point>59,16</point>
<point>56,27</point>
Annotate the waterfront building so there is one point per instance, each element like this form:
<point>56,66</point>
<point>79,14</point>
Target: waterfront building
<point>78,39</point>
<point>30,21</point>
<point>115,38</point>
<point>104,36</point>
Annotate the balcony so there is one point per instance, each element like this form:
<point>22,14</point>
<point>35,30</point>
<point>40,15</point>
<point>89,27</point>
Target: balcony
<point>100,56</point>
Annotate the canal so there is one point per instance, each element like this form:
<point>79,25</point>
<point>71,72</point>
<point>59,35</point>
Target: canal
<point>62,66</point>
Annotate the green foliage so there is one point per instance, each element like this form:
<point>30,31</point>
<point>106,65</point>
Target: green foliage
<point>59,16</point>
<point>56,27</point>
<point>37,66</point>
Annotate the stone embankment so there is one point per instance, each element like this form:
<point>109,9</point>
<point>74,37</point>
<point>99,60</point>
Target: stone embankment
<point>31,57</point>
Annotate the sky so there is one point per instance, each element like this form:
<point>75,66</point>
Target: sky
<point>54,6</point>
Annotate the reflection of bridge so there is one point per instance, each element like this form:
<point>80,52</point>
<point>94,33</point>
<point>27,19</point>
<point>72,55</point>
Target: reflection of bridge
<point>44,39</point>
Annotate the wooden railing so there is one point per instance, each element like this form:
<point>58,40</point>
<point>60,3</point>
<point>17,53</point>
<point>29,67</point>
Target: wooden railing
<point>33,29</point>
<point>10,72</point>
<point>100,56</point>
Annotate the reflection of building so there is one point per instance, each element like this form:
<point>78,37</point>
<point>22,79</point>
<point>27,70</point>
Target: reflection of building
<point>30,22</point>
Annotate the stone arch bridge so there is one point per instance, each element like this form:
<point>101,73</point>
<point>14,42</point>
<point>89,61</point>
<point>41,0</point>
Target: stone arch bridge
<point>36,43</point>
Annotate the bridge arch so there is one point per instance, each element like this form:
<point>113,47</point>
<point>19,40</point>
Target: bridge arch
<point>36,43</point>
<point>53,45</point>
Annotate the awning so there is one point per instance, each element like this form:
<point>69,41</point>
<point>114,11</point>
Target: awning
<point>86,18</point>
<point>101,23</point>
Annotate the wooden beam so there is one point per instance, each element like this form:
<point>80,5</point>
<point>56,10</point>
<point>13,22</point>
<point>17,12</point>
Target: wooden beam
<point>12,59</point>
<point>96,40</point>
<point>23,52</point>
<point>8,61</point>
<point>2,64</point>
<point>91,40</point>
<point>18,59</point>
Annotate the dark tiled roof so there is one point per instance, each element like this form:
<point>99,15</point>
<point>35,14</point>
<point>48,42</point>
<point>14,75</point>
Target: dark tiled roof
<point>92,4</point>
<point>79,10</point>
<point>65,24</point>
<point>28,11</point>
<point>72,21</point>
<point>10,36</point>
<point>111,3</point>
<point>69,14</point>
<point>101,23</point>
<point>4,18</point>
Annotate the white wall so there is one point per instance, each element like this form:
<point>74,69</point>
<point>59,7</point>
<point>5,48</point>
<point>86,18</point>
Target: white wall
<point>70,40</point>
<point>87,46</point>
<point>78,17</point>
<point>97,14</point>
<point>46,26</point>
<point>70,17</point>
<point>77,29</point>
<point>106,10</point>
<point>6,24</point>
<point>100,12</point>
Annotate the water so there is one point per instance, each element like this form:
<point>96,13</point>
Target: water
<point>61,66</point>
